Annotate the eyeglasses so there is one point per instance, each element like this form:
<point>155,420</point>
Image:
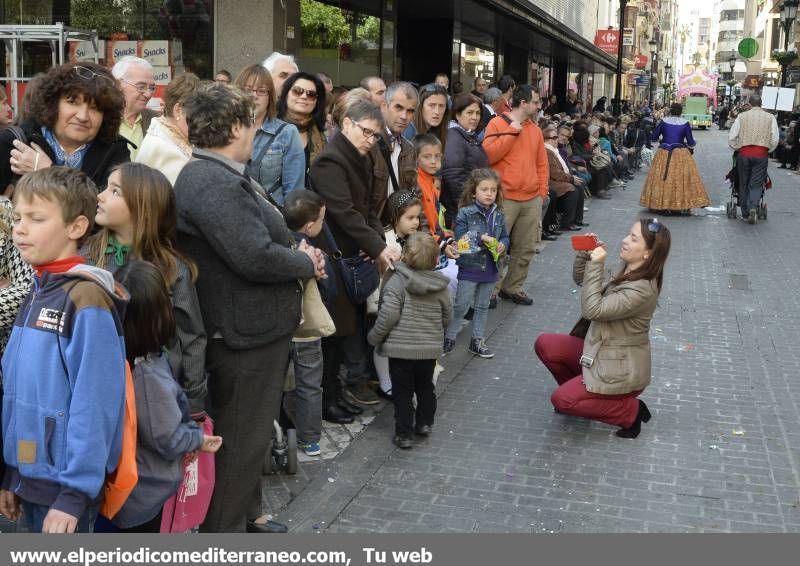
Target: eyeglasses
<point>87,74</point>
<point>299,91</point>
<point>368,133</point>
<point>141,88</point>
<point>260,91</point>
<point>552,137</point>
<point>654,226</point>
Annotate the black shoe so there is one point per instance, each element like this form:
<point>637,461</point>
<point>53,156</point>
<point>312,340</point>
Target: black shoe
<point>348,407</point>
<point>555,232</point>
<point>268,527</point>
<point>549,237</point>
<point>337,415</point>
<point>493,302</point>
<point>783,167</point>
<point>583,224</point>
<point>642,416</point>
<point>572,228</point>
<point>603,195</point>
<point>520,298</point>
<point>424,430</point>
<point>403,442</point>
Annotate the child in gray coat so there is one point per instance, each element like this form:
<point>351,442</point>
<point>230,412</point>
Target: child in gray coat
<point>415,308</point>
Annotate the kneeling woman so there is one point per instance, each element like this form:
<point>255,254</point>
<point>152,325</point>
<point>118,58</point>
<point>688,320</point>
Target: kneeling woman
<point>600,376</point>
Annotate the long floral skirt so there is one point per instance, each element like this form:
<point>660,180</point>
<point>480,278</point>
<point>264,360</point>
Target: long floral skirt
<point>681,190</point>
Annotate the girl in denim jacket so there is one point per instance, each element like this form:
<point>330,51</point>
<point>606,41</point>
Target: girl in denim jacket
<point>480,231</point>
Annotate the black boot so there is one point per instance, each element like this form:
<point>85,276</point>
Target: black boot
<point>642,416</point>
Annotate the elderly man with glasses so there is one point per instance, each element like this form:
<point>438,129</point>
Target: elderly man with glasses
<point>135,78</point>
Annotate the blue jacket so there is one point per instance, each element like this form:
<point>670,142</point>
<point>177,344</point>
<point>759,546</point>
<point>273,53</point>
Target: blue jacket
<point>282,168</point>
<point>478,219</point>
<point>165,433</point>
<point>64,389</point>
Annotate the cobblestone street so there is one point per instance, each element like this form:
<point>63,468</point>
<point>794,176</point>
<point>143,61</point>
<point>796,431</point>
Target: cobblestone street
<point>720,455</point>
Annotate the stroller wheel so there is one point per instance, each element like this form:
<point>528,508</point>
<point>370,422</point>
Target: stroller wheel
<point>291,453</point>
<point>730,210</point>
<point>762,211</point>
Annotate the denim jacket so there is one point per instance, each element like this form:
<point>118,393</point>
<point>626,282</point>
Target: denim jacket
<point>282,168</point>
<point>478,219</point>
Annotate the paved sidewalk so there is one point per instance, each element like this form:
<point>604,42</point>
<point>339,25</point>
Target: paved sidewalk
<point>720,455</point>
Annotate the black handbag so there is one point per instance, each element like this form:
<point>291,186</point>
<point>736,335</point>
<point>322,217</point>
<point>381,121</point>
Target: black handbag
<point>581,328</point>
<point>359,273</point>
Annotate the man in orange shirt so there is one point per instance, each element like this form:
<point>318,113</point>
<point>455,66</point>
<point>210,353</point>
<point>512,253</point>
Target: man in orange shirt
<point>515,147</point>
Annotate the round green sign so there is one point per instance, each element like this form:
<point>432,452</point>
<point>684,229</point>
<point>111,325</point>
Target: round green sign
<point>748,47</point>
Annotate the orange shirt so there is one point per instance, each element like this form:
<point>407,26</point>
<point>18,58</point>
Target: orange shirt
<point>519,157</point>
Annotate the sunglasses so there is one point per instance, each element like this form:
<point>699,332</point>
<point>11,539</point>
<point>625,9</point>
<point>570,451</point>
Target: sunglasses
<point>654,226</point>
<point>299,91</point>
<point>552,137</point>
<point>433,87</point>
<point>87,74</point>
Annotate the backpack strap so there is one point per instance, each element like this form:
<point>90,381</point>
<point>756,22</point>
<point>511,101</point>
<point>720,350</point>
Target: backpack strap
<point>506,133</point>
<point>386,152</point>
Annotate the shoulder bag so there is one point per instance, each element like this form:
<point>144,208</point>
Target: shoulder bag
<point>359,273</point>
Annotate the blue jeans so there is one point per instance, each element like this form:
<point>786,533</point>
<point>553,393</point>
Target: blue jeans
<point>468,293</point>
<point>307,361</point>
<point>33,518</point>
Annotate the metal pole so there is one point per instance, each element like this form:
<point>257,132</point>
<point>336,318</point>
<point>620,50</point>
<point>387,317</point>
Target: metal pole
<point>617,106</point>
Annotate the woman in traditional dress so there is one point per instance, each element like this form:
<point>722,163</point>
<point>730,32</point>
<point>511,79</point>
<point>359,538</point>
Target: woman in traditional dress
<point>673,184</point>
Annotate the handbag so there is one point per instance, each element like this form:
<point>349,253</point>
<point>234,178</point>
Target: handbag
<point>359,274</point>
<point>600,160</point>
<point>647,156</point>
<point>581,328</point>
<point>317,321</point>
<point>188,507</point>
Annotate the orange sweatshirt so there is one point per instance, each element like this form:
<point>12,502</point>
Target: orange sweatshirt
<point>519,157</point>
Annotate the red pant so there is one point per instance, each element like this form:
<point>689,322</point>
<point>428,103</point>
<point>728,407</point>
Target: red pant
<point>561,353</point>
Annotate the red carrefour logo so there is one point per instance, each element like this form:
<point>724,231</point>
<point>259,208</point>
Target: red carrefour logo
<point>640,61</point>
<point>607,40</point>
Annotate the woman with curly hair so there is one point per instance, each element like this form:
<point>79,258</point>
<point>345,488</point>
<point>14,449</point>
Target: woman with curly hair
<point>72,120</point>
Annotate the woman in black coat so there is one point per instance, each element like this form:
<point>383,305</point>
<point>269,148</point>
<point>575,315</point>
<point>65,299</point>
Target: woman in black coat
<point>463,153</point>
<point>340,177</point>
<point>72,120</point>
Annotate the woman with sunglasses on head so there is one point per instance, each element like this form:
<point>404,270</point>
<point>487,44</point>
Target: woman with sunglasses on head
<point>302,103</point>
<point>278,162</point>
<point>72,119</point>
<point>432,114</point>
<point>603,365</point>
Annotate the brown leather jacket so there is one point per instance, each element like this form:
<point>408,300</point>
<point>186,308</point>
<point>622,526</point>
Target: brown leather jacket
<point>380,180</point>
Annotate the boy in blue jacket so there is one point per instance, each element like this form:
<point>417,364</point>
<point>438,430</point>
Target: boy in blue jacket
<point>64,367</point>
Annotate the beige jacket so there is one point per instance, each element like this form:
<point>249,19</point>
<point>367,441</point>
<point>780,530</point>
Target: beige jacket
<point>618,341</point>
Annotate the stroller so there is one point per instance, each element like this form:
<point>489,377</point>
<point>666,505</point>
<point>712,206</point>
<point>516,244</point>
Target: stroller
<point>732,177</point>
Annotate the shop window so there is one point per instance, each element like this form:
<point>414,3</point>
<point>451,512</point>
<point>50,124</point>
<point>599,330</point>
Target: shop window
<point>476,62</point>
<point>341,42</point>
<point>175,35</point>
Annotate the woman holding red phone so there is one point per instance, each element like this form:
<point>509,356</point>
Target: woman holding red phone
<point>603,365</point>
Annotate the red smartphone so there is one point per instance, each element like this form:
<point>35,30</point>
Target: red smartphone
<point>584,242</point>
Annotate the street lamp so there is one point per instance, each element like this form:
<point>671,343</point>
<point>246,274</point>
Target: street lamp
<point>668,80</point>
<point>732,64</point>
<point>653,45</point>
<point>788,15</point>
<point>616,104</point>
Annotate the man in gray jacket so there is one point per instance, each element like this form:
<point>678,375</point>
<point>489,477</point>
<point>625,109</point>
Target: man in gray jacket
<point>250,290</point>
